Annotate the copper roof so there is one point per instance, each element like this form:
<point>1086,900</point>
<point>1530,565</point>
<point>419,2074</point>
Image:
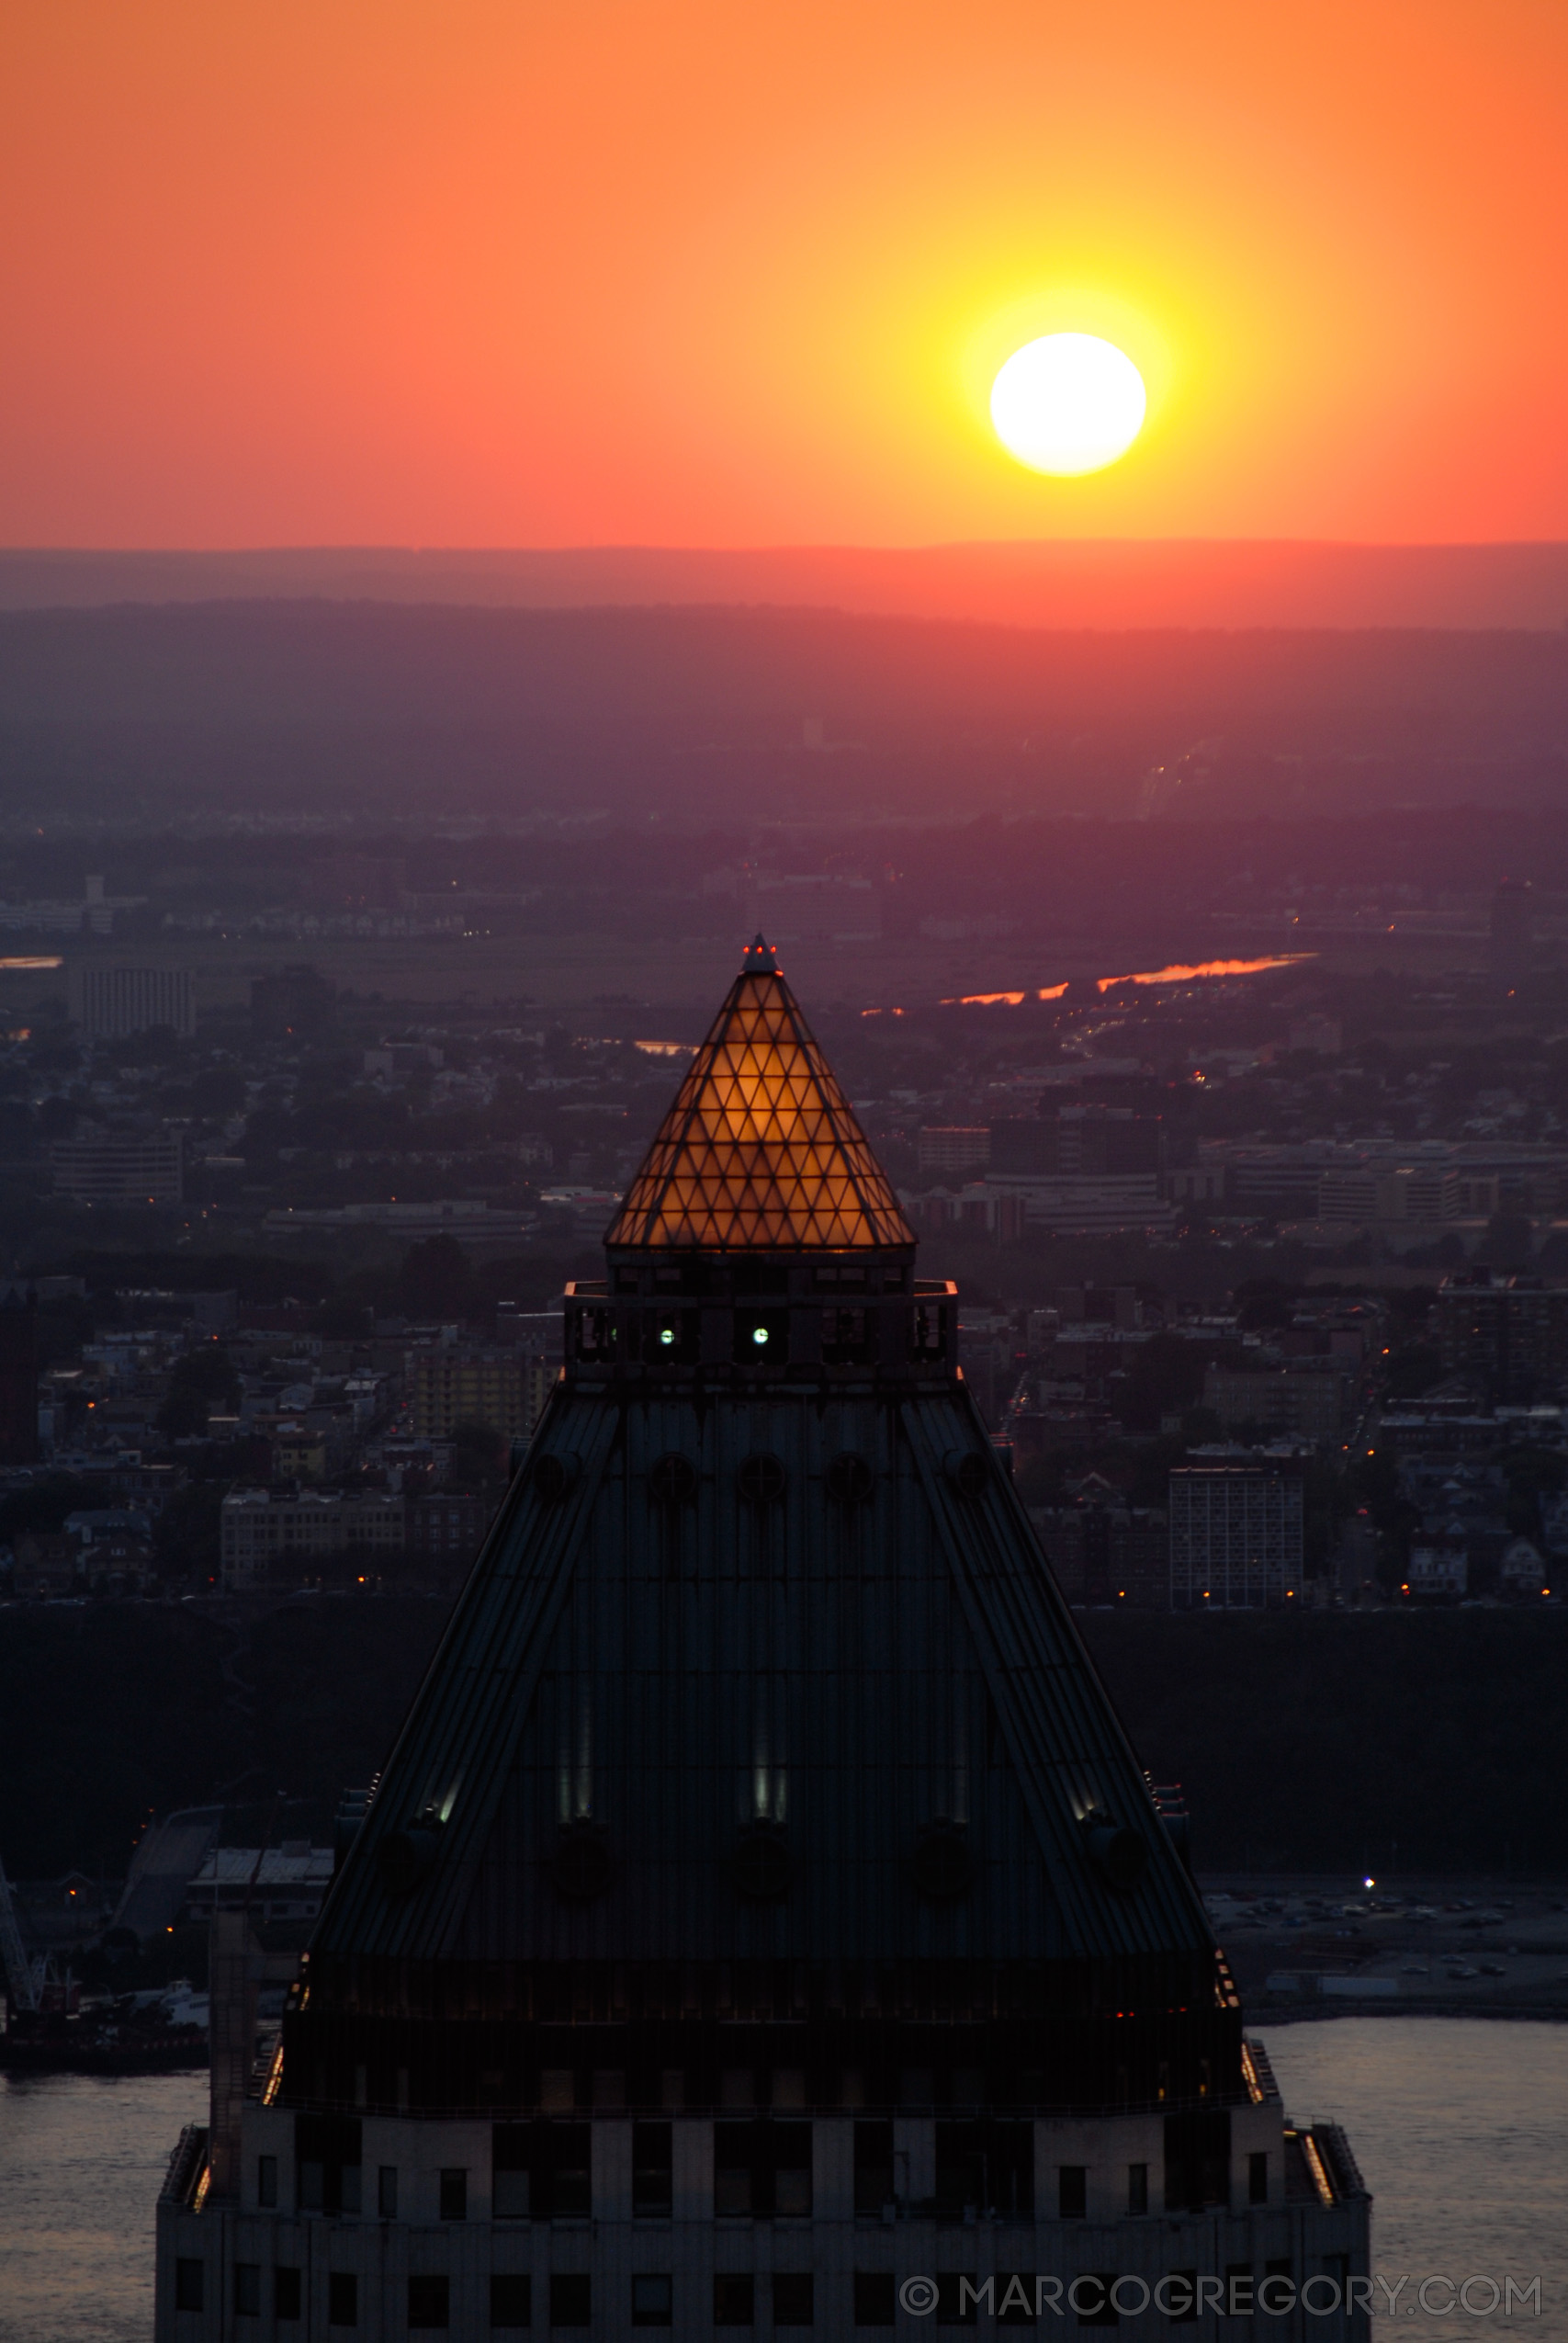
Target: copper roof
<point>761,1151</point>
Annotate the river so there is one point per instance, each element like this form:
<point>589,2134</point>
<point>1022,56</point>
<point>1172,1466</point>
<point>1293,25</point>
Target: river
<point>1461,2128</point>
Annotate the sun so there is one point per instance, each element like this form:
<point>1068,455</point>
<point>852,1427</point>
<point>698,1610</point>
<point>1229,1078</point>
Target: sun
<point>1068,403</point>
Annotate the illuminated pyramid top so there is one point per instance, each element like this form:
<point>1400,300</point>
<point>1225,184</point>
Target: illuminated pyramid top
<point>761,1151</point>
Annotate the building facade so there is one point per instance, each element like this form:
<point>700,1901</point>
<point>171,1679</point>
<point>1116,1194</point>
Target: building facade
<point>1237,1538</point>
<point>763,1920</point>
<point>263,1537</point>
<point>119,1001</point>
<point>119,1167</point>
<point>447,1387</point>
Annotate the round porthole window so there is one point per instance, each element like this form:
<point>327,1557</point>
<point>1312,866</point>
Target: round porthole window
<point>405,1857</point>
<point>969,1472</point>
<point>850,1479</point>
<point>672,1480</point>
<point>761,1480</point>
<point>553,1475</point>
<point>1120,1853</point>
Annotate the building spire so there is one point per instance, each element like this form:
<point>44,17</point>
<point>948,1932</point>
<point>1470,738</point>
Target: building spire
<point>761,1151</point>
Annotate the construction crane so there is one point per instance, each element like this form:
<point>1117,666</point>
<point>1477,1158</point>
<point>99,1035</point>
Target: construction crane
<point>22,1978</point>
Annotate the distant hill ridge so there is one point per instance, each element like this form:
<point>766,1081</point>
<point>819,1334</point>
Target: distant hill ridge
<point>1095,582</point>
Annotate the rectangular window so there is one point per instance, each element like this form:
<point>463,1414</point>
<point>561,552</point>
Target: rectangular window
<point>794,2295</point>
<point>1072,2191</point>
<point>874,2166</point>
<point>343,2298</point>
<point>387,2191</point>
<point>1258,2177</point>
<point>430,2301</point>
<point>454,2198</point>
<point>653,2300</point>
<point>1276,2292</point>
<point>790,2147</point>
<point>955,2297</point>
<point>247,2290</point>
<point>571,2301</point>
<point>1181,2294</point>
<point>541,2171</point>
<point>762,2169</point>
<point>1196,2160</point>
<point>653,2170</point>
<point>875,2298</point>
<point>189,2278</point>
<point>1094,2294</point>
<point>287,2292</point>
<point>326,2163</point>
<point>1137,2188</point>
<point>733,2180</point>
<point>988,2162</point>
<point>1015,2298</point>
<point>267,2180</point>
<point>511,2299</point>
<point>735,2301</point>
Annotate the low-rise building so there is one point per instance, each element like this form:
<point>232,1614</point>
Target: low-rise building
<point>119,1167</point>
<point>1438,1567</point>
<point>263,1535</point>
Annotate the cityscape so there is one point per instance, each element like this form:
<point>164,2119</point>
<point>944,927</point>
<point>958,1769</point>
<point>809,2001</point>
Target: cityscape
<point>783,1171</point>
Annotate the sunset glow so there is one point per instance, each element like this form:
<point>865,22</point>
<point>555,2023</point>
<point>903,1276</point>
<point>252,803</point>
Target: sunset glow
<point>1206,969</point>
<point>692,276</point>
<point>1175,975</point>
<point>1068,403</point>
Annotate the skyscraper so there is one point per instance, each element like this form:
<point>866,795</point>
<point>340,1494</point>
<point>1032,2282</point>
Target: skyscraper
<point>763,1920</point>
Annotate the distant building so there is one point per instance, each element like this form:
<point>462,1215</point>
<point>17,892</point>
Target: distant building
<point>264,1536</point>
<point>119,1001</point>
<point>1509,954</point>
<point>1438,1567</point>
<point>1106,1553</point>
<point>445,1531</point>
<point>448,1386</point>
<point>1508,1333</point>
<point>1237,1538</point>
<point>1083,1167</point>
<point>1419,1191</point>
<point>955,1148</point>
<point>1306,1399</point>
<point>285,1882</point>
<point>119,1167</point>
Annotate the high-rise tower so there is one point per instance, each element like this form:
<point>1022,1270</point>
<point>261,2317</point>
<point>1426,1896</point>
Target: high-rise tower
<point>762,1911</point>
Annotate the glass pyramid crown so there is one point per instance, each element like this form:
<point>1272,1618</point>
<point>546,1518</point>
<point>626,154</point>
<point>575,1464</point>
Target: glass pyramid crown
<point>761,1151</point>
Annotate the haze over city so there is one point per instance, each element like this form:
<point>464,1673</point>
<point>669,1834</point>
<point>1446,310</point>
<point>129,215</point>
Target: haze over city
<point>783,1170</point>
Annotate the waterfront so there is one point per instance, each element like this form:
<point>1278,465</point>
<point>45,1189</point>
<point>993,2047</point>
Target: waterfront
<point>1460,2127</point>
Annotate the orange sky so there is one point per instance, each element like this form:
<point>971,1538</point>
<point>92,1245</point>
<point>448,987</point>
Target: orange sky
<point>494,271</point>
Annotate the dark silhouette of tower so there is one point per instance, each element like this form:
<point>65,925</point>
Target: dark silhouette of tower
<point>762,1912</point>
